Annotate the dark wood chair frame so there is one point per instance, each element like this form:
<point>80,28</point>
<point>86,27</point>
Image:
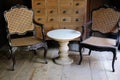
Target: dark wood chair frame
<point>88,27</point>
<point>33,47</point>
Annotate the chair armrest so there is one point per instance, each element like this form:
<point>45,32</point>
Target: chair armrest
<point>118,37</point>
<point>86,30</point>
<point>88,24</point>
<point>42,29</point>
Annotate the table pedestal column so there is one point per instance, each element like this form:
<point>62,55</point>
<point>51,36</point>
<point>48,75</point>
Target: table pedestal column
<point>63,54</point>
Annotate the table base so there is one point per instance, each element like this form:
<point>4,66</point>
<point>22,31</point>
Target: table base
<point>63,61</point>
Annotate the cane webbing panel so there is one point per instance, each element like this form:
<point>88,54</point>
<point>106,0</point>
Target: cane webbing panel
<point>105,20</point>
<point>26,41</point>
<point>19,20</point>
<point>97,41</point>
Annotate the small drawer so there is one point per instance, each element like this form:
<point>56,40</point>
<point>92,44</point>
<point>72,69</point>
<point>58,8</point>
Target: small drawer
<point>65,4</point>
<point>78,27</point>
<point>39,4</point>
<point>65,11</point>
<point>38,32</point>
<point>51,26</point>
<point>38,12</point>
<point>51,4</point>
<point>41,19</point>
<point>78,11</point>
<point>65,19</point>
<point>52,11</point>
<point>77,19</point>
<point>66,26</point>
<point>78,3</point>
<point>53,19</point>
<point>71,26</point>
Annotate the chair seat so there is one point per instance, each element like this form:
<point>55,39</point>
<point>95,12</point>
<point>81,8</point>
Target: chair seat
<point>97,41</point>
<point>26,41</point>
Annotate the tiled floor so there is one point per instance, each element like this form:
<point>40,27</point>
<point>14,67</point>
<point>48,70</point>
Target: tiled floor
<point>97,66</point>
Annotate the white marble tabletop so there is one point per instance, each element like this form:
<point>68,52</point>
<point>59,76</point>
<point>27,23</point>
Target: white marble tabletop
<point>63,34</point>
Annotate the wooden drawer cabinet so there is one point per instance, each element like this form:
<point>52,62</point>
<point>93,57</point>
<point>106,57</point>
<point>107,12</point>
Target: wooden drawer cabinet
<point>58,14</point>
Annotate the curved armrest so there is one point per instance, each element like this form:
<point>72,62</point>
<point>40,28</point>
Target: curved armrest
<point>42,28</point>
<point>87,25</point>
<point>85,29</point>
<point>118,35</point>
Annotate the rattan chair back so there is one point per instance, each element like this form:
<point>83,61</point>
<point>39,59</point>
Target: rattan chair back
<point>105,20</point>
<point>19,20</point>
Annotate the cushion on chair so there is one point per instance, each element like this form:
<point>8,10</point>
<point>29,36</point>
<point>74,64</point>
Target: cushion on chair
<point>97,41</point>
<point>24,41</point>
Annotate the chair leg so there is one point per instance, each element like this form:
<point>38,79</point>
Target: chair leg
<point>80,52</point>
<point>9,56</point>
<point>113,61</point>
<point>34,51</point>
<point>13,59</point>
<point>89,51</point>
<point>45,53</point>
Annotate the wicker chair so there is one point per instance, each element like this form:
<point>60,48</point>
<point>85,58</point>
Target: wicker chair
<point>102,32</point>
<point>21,31</point>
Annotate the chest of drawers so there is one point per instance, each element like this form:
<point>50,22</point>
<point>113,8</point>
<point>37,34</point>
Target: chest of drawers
<point>54,14</point>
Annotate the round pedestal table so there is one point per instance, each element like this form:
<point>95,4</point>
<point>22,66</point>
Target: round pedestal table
<point>63,36</point>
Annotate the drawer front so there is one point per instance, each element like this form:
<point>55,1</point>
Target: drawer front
<point>39,4</point>
<point>66,11</point>
<point>78,12</point>
<point>51,26</point>
<point>52,11</point>
<point>78,3</point>
<point>51,4</point>
<point>65,19</point>
<point>40,19</point>
<point>53,19</point>
<point>38,32</point>
<point>39,12</point>
<point>65,4</point>
<point>68,26</point>
<point>77,19</point>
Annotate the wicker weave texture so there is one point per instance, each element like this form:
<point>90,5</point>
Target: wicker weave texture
<point>25,41</point>
<point>97,41</point>
<point>105,20</point>
<point>19,20</point>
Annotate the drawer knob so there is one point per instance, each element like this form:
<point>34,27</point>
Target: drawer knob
<point>51,19</point>
<point>38,11</point>
<point>77,12</point>
<point>39,3</point>
<point>39,19</point>
<point>64,12</point>
<point>77,19</point>
<point>77,4</point>
<point>64,19</point>
<point>51,11</point>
